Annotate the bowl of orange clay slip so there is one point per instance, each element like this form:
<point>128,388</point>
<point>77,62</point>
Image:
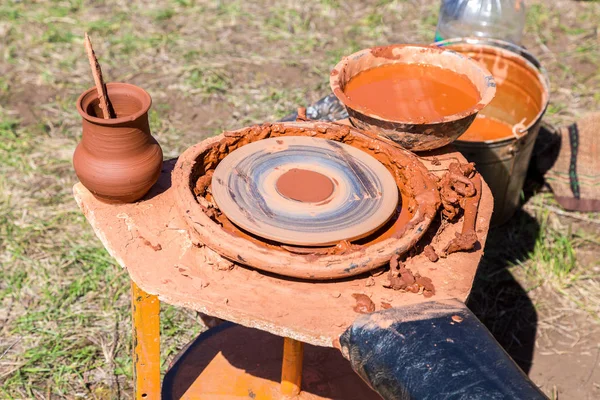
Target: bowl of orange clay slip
<point>420,97</point>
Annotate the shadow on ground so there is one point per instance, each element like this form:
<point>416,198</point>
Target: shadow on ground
<point>497,299</point>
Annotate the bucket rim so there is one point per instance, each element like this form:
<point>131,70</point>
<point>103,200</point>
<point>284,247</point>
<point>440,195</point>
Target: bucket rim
<point>527,57</point>
<point>501,44</point>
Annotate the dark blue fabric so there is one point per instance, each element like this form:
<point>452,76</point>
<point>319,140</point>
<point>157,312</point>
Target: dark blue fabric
<point>433,350</point>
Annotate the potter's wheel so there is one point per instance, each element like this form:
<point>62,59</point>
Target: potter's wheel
<point>200,203</point>
<point>304,191</point>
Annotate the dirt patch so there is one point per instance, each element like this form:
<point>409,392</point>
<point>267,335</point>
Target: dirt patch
<point>194,116</point>
<point>566,360</point>
<point>269,73</point>
<point>27,100</point>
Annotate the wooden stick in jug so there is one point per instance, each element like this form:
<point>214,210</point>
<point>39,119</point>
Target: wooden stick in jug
<point>105,105</point>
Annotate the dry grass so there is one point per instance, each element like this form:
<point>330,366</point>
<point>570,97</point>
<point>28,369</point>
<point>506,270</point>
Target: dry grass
<point>210,65</point>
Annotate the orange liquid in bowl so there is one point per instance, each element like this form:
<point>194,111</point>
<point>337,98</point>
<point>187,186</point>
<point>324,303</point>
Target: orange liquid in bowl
<point>412,92</point>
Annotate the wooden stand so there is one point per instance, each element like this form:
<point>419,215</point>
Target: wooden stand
<point>145,311</point>
<point>150,239</point>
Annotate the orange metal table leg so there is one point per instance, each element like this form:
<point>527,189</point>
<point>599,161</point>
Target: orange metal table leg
<point>291,369</point>
<point>146,344</point>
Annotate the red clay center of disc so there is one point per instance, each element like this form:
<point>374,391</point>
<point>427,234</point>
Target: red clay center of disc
<point>304,185</point>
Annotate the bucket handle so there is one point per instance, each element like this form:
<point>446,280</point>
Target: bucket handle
<point>519,129</point>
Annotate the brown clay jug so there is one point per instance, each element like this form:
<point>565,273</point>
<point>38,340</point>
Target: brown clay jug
<point>117,159</point>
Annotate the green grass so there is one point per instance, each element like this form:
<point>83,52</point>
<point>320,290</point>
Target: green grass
<point>210,66</point>
<point>9,142</point>
<point>207,81</point>
<point>554,251</point>
<point>164,15</point>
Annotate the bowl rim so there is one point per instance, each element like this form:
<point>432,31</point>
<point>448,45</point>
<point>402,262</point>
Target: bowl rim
<point>486,95</point>
<point>88,96</point>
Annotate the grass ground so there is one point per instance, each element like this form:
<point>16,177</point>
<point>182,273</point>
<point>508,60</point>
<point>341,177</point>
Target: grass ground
<point>211,65</point>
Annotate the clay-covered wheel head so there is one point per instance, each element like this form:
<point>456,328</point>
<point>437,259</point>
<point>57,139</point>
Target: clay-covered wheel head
<point>304,190</point>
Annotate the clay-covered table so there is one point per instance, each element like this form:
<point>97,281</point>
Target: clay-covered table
<point>151,241</point>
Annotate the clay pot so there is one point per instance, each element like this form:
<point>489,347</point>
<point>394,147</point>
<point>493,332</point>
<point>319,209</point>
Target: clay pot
<point>117,159</point>
<point>409,134</point>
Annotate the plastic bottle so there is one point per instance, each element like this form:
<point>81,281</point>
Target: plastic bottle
<point>497,19</point>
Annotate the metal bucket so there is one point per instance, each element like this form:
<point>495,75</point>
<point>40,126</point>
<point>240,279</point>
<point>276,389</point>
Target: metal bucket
<point>521,100</point>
